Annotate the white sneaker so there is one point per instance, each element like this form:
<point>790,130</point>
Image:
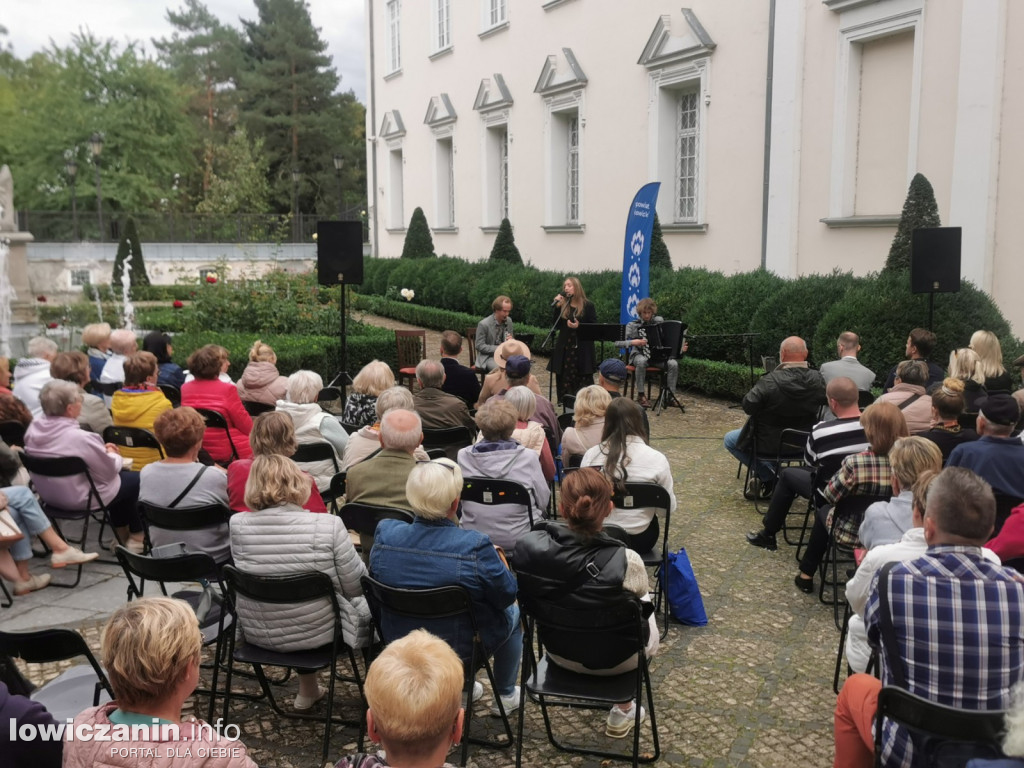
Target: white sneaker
<point>620,723</point>
<point>71,556</point>
<point>510,703</point>
<point>478,691</point>
<point>305,703</point>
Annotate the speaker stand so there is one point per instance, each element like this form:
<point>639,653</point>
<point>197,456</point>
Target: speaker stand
<point>341,377</point>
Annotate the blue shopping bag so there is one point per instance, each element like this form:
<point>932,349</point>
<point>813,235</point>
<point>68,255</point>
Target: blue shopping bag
<point>682,592</point>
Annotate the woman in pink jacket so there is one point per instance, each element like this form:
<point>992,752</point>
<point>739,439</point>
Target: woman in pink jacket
<point>151,651</point>
<point>208,391</point>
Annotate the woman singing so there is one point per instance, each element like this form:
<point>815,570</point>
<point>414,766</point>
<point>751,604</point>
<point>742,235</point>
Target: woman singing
<point>573,360</point>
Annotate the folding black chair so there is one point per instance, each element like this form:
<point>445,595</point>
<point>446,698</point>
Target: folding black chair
<point>839,553</point>
<point>92,508</point>
<point>216,420</point>
<point>103,388</point>
<point>484,490</point>
<point>75,689</point>
<point>448,439</point>
<point>12,432</point>
<point>433,609</point>
<point>319,451</point>
<point>254,408</point>
<point>941,735</point>
<point>328,395</point>
<point>651,495</point>
<point>598,634</point>
<point>790,453</point>
<point>133,437</point>
<point>172,393</point>
<point>363,519</point>
<point>292,590</point>
<point>183,518</point>
<point>337,490</point>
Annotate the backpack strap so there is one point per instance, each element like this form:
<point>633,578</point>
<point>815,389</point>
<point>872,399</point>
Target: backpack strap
<point>908,401</point>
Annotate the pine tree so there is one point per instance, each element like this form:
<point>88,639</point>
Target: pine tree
<point>919,210</point>
<point>660,258</point>
<point>505,245</point>
<point>129,248</point>
<point>418,242</point>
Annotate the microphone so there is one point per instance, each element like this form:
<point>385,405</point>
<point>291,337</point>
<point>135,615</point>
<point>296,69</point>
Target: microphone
<point>555,303</point>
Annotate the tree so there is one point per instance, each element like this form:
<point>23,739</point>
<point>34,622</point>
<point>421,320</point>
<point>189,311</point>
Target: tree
<point>505,245</point>
<point>130,249</point>
<point>238,177</point>
<point>418,242</point>
<point>660,258</point>
<point>287,85</point>
<point>919,210</point>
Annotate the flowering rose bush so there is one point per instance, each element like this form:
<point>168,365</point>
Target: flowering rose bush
<point>178,304</point>
<point>408,294</point>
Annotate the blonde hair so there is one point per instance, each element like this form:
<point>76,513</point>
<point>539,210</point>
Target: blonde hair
<point>373,379</point>
<point>95,334</point>
<point>990,354</point>
<point>591,403</point>
<point>262,353</point>
<point>414,691</point>
<point>148,645</point>
<point>275,480</point>
<point>910,456</point>
<point>432,487</point>
<point>964,364</point>
<point>948,399</point>
<point>579,298</point>
<point>273,433</point>
<point>883,423</point>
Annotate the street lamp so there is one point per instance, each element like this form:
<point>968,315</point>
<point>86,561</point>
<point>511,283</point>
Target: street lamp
<point>339,164</point>
<point>96,146</point>
<point>296,177</point>
<point>71,169</point>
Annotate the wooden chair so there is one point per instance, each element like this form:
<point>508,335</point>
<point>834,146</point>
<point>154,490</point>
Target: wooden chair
<point>412,347</point>
<point>471,342</point>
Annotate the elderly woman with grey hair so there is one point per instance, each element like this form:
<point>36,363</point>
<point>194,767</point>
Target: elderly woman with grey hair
<point>313,424</point>
<point>531,433</point>
<point>56,434</point>
<point>366,442</point>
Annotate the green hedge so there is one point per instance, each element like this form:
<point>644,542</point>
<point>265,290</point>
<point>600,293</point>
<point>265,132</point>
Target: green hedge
<point>714,378</point>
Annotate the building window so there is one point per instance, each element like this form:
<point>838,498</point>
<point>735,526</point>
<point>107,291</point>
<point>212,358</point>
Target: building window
<point>687,155</point>
<point>444,203</point>
<point>503,174</point>
<point>394,35</point>
<point>495,176</point>
<point>441,28</point>
<point>395,192</point>
<point>494,14</point>
<point>572,170</point>
<point>206,272</point>
<point>80,277</point>
<point>564,182</point>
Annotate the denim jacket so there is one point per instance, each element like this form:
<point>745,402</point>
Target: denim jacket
<point>437,553</point>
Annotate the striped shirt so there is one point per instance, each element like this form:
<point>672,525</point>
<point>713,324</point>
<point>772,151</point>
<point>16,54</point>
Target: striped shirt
<point>959,627</point>
<point>831,441</point>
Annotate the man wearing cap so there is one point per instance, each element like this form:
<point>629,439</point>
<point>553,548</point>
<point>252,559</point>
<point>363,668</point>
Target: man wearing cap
<point>996,457</point>
<point>517,374</point>
<point>492,331</point>
<point>495,380</point>
<point>611,375</point>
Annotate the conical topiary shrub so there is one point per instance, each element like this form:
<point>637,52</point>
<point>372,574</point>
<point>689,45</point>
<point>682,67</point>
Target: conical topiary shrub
<point>660,258</point>
<point>919,210</point>
<point>418,242</point>
<point>131,249</point>
<point>505,245</point>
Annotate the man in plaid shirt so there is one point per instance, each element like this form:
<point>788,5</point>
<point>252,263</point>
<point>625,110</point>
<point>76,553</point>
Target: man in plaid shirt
<point>957,625</point>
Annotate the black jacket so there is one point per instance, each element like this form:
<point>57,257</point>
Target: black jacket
<point>786,398</point>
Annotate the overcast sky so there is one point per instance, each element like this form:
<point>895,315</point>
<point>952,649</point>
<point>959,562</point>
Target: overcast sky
<point>32,24</point>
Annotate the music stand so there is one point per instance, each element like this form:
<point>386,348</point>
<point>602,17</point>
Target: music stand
<point>669,335</point>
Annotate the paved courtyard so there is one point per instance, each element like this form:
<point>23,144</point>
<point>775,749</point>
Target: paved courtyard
<point>752,688</point>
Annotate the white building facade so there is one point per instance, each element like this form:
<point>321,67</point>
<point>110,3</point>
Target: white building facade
<point>784,133</point>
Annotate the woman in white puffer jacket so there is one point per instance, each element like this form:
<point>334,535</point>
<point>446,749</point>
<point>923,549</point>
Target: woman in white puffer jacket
<point>313,424</point>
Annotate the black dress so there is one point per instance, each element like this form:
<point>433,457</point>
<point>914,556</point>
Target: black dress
<point>572,359</point>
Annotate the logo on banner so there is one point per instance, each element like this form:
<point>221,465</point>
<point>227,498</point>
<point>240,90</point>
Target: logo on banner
<point>637,243</point>
<point>631,303</point>
<point>634,275</point>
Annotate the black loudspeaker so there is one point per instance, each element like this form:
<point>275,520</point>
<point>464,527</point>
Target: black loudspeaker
<point>339,252</point>
<point>935,260</point>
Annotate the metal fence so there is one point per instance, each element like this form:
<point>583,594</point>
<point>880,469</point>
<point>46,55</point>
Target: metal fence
<point>62,227</point>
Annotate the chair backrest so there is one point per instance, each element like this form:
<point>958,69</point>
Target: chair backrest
<point>328,394</point>
<point>568,403</point>
<point>643,495</point>
<point>485,490</point>
<point>864,398</point>
<point>792,443</point>
<point>63,466</point>
<point>471,342</point>
<point>184,518</point>
<point>941,735</point>
<point>172,393</point>
<point>12,432</point>
<point>216,420</point>
<point>45,646</point>
<point>338,487</point>
<point>281,590</point>
<point>566,420</point>
<point>254,408</point>
<point>448,440</point>
<point>856,505</point>
<point>318,451</point>
<point>967,420</point>
<point>132,437</point>
<point>412,347</point>
<point>105,388</point>
<point>191,566</point>
<point>363,518</point>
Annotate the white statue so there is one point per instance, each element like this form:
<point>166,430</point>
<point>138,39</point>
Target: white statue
<point>6,201</point>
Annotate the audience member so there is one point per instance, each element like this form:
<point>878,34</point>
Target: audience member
<point>179,481</point>
<point>1008,544</point>
<point>492,332</point>
<point>965,367</point>
<point>866,473</point>
<point>207,391</point>
<point>996,457</point>
<point>920,344</point>
<point>138,404</point>
<point>458,379</point>
<point>948,605</point>
<point>159,344</point>
<point>612,374</point>
<point>260,382</point>
<point>18,710</point>
<point>786,398</point>
<point>498,457</point>
<point>96,338</point>
<point>279,539</point>
<point>152,649</point>
<point>414,697</point>
<point>122,344</point>
<point>591,403</point>
<point>224,356</point>
<point>576,550</point>
<point>828,444</point>
<point>640,356</point>
<point>909,395</point>
<point>381,479</point>
<point>74,366</point>
<point>495,381</point>
<point>5,376</point>
<point>273,434</point>
<point>947,405</point>
<point>847,346</point>
<point>527,432</point>
<point>438,409</point>
<point>885,522</point>
<point>56,434</point>
<point>313,424</point>
<point>517,374</point>
<point>990,357</point>
<point>435,552</point>
<point>624,456</point>
<point>33,371</point>
<point>12,409</point>
<point>366,442</point>
<point>373,379</point>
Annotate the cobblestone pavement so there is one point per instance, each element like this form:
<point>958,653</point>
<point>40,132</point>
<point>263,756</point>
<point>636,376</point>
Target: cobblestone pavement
<point>752,688</point>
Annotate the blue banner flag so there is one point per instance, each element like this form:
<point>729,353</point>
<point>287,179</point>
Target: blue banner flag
<point>636,254</point>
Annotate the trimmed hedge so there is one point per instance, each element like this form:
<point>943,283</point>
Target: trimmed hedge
<point>714,378</point>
